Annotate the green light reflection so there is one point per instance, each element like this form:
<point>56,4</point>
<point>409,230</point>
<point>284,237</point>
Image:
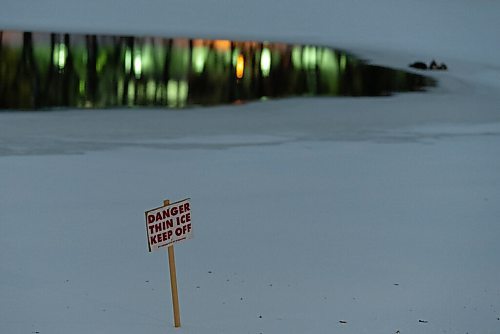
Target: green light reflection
<point>40,71</point>
<point>60,54</point>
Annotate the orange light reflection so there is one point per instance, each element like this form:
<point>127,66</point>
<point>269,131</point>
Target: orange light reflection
<point>240,66</point>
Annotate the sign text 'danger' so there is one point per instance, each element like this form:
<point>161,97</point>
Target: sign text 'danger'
<point>168,224</point>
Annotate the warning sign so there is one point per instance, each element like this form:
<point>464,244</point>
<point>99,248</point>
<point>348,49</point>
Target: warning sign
<point>168,224</point>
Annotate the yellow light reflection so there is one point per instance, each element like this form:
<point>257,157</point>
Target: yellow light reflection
<point>240,66</point>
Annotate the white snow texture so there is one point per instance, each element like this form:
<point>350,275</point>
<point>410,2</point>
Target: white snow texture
<point>327,215</point>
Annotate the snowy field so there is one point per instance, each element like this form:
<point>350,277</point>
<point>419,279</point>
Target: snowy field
<point>368,215</point>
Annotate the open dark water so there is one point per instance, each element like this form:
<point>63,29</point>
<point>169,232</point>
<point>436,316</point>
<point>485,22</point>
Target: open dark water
<point>53,70</point>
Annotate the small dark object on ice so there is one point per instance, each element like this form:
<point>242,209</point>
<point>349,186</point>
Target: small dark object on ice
<point>260,317</point>
<point>343,322</point>
<point>420,65</point>
<point>432,66</point>
<point>423,321</point>
<point>398,332</point>
<point>435,66</point>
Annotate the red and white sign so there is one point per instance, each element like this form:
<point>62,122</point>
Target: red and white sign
<point>168,224</point>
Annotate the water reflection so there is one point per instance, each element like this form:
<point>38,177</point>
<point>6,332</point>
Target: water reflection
<point>42,70</point>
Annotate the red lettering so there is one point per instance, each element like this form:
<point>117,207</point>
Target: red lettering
<point>158,227</point>
<point>164,228</point>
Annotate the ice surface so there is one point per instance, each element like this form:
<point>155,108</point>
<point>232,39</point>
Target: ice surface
<point>378,212</point>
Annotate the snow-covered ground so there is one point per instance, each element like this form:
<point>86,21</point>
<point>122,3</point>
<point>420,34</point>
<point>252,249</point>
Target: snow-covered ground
<point>382,213</point>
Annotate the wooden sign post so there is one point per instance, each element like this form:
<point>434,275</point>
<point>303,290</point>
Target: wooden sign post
<point>166,225</point>
<point>173,281</point>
